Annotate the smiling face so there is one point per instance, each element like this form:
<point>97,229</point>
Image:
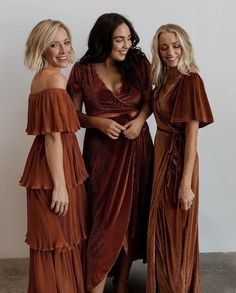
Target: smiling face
<point>170,49</point>
<point>121,42</point>
<point>59,51</point>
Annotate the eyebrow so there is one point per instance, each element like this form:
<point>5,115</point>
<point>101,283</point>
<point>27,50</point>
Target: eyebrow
<point>122,37</point>
<point>171,44</point>
<point>67,39</point>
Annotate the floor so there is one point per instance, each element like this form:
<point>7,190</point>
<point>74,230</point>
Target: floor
<point>218,275</point>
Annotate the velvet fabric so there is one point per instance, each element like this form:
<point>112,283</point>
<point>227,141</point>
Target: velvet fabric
<point>173,253</point>
<point>120,172</point>
<point>56,242</point>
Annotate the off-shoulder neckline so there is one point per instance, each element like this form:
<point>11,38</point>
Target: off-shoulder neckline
<point>46,90</point>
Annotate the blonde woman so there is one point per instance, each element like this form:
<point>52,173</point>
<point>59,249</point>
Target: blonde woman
<point>180,106</point>
<point>54,171</point>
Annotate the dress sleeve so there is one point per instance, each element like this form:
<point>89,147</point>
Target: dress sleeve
<point>74,84</point>
<point>51,110</point>
<point>145,70</point>
<point>192,102</point>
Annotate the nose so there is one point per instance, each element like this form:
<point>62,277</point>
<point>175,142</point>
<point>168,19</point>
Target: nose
<point>127,44</point>
<point>62,48</point>
<point>170,51</point>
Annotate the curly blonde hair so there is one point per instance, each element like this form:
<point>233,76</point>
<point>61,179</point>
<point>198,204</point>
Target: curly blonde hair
<point>187,62</point>
<point>39,40</point>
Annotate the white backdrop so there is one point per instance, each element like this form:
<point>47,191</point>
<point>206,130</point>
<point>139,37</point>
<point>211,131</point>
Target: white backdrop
<point>212,28</point>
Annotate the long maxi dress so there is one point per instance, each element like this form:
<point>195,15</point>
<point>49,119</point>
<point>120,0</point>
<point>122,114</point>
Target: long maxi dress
<point>56,242</point>
<point>120,172</point>
<point>173,253</point>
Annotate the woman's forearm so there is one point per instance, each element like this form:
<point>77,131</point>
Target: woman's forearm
<point>145,112</point>
<point>87,121</point>
<point>54,154</point>
<point>190,151</point>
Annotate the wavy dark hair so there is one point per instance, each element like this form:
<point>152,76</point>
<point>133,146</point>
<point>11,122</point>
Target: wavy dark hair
<point>100,43</point>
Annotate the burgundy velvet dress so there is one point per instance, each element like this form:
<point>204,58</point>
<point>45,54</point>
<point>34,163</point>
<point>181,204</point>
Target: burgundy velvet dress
<point>120,172</point>
<point>56,242</point>
<point>173,253</point>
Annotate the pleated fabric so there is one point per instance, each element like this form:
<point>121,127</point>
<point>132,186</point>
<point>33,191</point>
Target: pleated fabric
<point>173,252</point>
<point>57,243</point>
<point>120,172</point>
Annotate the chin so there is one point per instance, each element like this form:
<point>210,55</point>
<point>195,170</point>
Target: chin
<point>121,58</point>
<point>173,65</point>
<point>62,66</point>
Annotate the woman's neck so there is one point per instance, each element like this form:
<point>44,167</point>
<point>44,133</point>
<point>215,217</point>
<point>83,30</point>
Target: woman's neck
<point>108,63</point>
<point>173,74</point>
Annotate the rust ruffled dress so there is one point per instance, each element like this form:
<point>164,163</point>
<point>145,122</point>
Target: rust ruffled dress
<point>120,173</point>
<point>55,241</point>
<point>173,253</point>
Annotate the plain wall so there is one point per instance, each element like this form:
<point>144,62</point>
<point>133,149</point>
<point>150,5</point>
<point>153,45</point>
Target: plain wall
<point>212,28</point>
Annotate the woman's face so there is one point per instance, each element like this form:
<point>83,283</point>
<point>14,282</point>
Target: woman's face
<point>59,52</point>
<point>121,42</point>
<point>170,49</point>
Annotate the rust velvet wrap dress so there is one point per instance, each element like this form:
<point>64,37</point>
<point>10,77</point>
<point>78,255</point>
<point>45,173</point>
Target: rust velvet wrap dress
<point>120,172</point>
<point>173,253</point>
<point>56,255</point>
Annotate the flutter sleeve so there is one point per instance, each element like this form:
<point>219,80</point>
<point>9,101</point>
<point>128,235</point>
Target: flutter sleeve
<point>192,102</point>
<point>74,85</point>
<point>51,111</point>
<point>145,70</point>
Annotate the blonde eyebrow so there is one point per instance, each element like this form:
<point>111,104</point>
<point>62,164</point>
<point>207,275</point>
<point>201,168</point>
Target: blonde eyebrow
<point>171,44</point>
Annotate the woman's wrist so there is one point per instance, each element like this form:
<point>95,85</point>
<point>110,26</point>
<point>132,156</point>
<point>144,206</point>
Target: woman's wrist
<point>141,118</point>
<point>185,182</point>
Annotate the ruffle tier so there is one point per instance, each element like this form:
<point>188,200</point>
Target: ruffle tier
<point>37,175</point>
<point>56,273</point>
<point>46,231</point>
<point>51,110</point>
<point>57,243</point>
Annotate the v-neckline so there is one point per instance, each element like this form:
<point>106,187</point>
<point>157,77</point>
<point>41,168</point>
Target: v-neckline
<point>160,109</point>
<point>118,93</point>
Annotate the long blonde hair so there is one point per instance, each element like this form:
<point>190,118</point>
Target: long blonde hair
<point>187,62</point>
<point>39,40</point>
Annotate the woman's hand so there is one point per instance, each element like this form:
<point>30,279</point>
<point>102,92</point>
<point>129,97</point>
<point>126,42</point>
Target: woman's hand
<point>110,127</point>
<point>60,200</point>
<point>186,196</point>
<point>133,128</point>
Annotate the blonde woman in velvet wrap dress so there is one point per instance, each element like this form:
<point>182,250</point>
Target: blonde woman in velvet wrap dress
<point>112,80</point>
<point>54,172</point>
<point>180,106</point>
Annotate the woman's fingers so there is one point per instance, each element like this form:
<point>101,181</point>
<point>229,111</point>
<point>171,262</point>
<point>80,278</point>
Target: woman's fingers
<point>53,204</point>
<point>65,209</point>
<point>119,127</point>
<point>116,127</point>
<point>186,205</point>
<point>112,136</point>
<point>59,208</point>
<point>114,130</point>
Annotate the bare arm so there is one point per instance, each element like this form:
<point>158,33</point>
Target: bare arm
<point>186,195</point>
<point>108,126</point>
<point>54,154</point>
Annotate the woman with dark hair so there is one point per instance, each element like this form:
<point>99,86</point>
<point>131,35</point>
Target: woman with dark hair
<point>112,80</point>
